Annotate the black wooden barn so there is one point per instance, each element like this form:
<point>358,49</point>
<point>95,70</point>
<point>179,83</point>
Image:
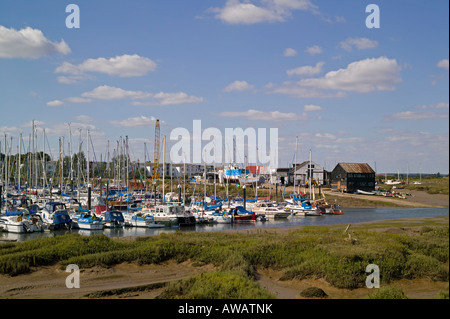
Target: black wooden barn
<point>351,177</point>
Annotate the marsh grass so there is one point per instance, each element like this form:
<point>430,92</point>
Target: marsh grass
<point>215,285</point>
<point>387,292</point>
<point>310,252</point>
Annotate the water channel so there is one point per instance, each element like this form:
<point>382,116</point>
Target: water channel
<point>351,216</point>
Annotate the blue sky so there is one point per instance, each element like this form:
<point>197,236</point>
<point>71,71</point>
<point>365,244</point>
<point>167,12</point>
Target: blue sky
<point>311,69</point>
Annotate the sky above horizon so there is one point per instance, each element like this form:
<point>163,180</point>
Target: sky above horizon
<point>311,69</point>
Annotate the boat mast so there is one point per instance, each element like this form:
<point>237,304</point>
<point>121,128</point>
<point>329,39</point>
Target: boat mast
<point>87,152</point>
<point>78,166</point>
<point>20,161</point>
<point>60,167</point>
<point>295,162</point>
<point>6,166</point>
<point>164,169</point>
<point>44,177</point>
<point>310,174</point>
<point>215,193</point>
<point>71,160</point>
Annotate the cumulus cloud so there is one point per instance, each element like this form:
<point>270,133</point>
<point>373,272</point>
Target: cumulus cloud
<point>237,12</point>
<point>359,43</point>
<point>122,66</point>
<point>138,121</point>
<point>55,103</point>
<point>290,52</point>
<point>409,115</point>
<point>84,118</point>
<point>312,108</point>
<point>265,116</point>
<point>442,105</point>
<point>377,74</point>
<point>28,43</point>
<point>163,99</point>
<point>307,70</point>
<point>238,86</point>
<point>443,64</point>
<point>109,93</point>
<point>106,92</point>
<point>297,90</point>
<point>315,49</point>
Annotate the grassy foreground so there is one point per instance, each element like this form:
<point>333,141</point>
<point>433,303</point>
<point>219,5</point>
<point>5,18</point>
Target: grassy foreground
<point>310,252</point>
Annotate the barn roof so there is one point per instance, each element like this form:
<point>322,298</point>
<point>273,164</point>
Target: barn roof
<point>357,168</point>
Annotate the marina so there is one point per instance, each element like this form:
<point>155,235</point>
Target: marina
<point>351,216</point>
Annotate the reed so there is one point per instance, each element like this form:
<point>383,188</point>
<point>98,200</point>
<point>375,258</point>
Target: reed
<point>311,252</point>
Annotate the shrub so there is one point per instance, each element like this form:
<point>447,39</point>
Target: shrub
<point>388,292</point>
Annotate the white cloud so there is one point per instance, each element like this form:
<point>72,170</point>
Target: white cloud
<point>30,123</point>
<point>136,121</point>
<point>108,93</point>
<point>315,49</point>
<point>163,98</point>
<point>121,66</point>
<point>312,108</point>
<point>238,86</point>
<point>297,90</point>
<point>55,103</point>
<point>325,136</point>
<point>237,12</point>
<point>359,43</point>
<point>84,118</point>
<point>409,115</point>
<point>307,70</point>
<point>443,64</point>
<point>28,43</point>
<point>377,74</point>
<point>265,116</point>
<point>442,105</point>
<point>290,52</point>
<point>77,99</point>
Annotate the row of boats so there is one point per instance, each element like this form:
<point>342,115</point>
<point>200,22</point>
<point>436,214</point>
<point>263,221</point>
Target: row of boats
<point>21,216</point>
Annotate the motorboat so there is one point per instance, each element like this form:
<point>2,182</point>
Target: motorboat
<point>113,219</point>
<point>55,216</point>
<point>173,215</point>
<point>87,220</point>
<point>141,219</point>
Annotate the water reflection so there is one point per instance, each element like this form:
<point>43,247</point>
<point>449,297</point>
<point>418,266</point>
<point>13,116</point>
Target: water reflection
<point>351,216</point>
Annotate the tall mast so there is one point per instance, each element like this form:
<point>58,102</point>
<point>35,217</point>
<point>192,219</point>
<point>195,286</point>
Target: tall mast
<point>43,162</point>
<point>20,161</point>
<point>164,167</point>
<point>6,165</point>
<point>126,145</point>
<point>60,166</point>
<point>87,161</point>
<point>71,159</point>
<point>295,162</point>
<point>310,173</point>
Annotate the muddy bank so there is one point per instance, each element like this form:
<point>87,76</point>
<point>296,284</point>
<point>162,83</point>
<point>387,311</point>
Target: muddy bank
<point>418,199</point>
